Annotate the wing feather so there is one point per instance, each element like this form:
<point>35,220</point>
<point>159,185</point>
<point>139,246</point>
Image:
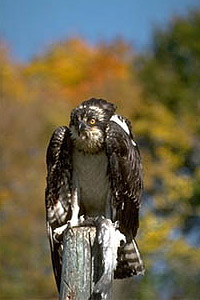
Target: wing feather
<point>125,171</point>
<point>58,191</point>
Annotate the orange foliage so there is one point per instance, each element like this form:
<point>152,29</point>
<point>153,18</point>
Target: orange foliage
<point>73,68</point>
<point>12,83</point>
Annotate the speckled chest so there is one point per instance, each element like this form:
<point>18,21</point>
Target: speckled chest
<point>91,178</point>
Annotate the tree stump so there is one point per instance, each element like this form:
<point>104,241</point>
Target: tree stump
<point>82,265</point>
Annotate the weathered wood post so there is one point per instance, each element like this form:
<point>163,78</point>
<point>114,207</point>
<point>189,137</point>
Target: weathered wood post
<point>82,265</point>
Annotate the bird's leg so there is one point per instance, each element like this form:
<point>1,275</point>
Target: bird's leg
<point>74,221</point>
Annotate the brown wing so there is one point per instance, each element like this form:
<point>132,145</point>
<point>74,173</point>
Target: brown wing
<point>125,172</point>
<point>58,191</point>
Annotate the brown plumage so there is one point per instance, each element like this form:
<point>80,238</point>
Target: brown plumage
<point>94,168</point>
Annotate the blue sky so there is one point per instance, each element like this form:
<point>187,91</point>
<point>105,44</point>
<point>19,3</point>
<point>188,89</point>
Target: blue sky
<point>29,26</point>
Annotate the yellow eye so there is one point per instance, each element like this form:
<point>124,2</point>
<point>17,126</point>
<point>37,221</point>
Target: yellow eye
<point>92,121</point>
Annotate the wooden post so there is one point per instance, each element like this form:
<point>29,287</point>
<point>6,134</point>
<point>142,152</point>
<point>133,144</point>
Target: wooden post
<point>82,265</point>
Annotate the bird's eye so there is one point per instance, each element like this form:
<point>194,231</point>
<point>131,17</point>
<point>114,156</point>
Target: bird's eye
<point>92,121</point>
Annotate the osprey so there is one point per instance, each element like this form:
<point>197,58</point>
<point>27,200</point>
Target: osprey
<point>94,169</point>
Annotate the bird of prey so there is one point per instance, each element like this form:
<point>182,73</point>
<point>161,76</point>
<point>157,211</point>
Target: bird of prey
<point>94,169</point>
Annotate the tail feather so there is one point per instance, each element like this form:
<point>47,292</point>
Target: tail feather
<point>129,261</point>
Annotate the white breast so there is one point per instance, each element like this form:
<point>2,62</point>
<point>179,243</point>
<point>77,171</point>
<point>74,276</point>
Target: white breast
<point>90,174</point>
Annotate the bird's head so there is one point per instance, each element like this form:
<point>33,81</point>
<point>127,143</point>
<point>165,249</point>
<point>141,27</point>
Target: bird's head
<point>88,124</point>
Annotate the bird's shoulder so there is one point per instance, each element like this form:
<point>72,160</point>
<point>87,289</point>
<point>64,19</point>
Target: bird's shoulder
<point>119,132</point>
<point>60,137</point>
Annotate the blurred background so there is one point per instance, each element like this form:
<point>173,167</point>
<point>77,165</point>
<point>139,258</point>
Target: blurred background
<point>145,57</point>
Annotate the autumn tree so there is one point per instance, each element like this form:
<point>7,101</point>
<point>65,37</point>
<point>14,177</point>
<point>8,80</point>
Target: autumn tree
<point>170,79</point>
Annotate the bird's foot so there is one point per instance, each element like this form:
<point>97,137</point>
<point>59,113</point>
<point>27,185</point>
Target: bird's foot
<point>58,232</point>
<point>74,222</point>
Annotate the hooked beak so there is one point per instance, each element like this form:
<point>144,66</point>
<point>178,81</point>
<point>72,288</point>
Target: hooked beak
<point>81,127</point>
